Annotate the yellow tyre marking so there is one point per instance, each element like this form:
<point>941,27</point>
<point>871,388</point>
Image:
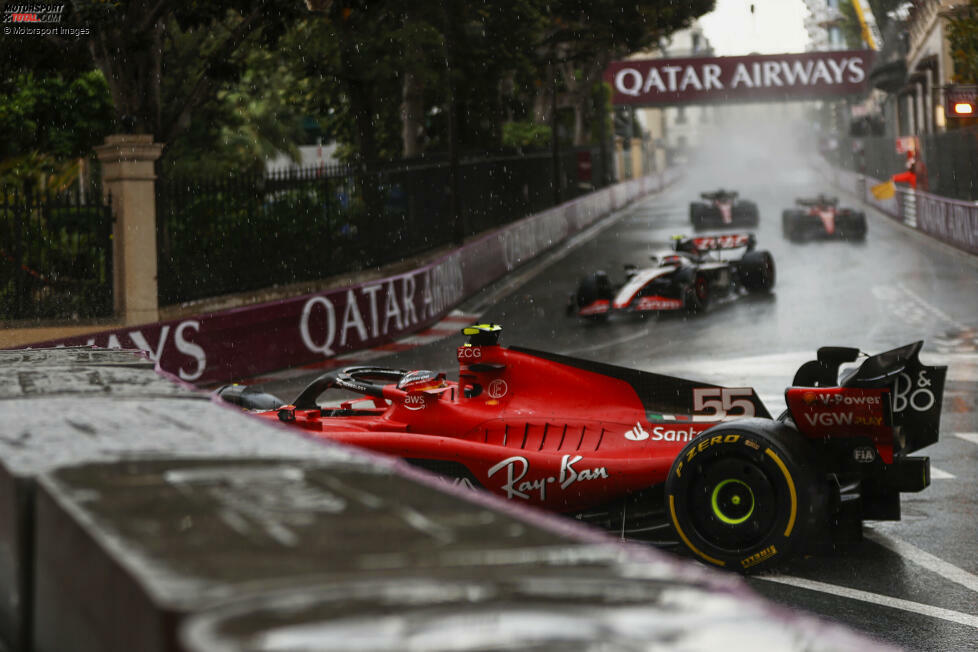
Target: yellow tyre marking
<point>682,535</point>
<point>791,491</point>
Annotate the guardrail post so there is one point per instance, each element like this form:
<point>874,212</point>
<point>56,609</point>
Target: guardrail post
<point>128,176</point>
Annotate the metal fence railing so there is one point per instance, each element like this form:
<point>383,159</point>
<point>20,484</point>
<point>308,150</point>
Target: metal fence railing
<point>219,236</point>
<point>950,159</point>
<point>55,256</point>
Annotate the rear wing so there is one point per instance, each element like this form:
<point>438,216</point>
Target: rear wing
<point>916,390</point>
<point>720,194</point>
<point>821,200</point>
<point>703,243</point>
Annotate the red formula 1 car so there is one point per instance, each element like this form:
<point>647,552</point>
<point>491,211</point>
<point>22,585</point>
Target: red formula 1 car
<point>652,456</point>
<point>688,277</point>
<point>821,217</point>
<point>722,209</point>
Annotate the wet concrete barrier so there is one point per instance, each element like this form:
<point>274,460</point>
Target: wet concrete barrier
<point>244,342</point>
<point>64,407</point>
<point>139,515</point>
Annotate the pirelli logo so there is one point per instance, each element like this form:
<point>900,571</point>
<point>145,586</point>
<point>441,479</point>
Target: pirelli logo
<point>758,557</point>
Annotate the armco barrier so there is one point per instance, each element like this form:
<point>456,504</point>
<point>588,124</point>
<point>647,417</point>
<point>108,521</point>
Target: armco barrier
<point>244,342</point>
<point>951,221</point>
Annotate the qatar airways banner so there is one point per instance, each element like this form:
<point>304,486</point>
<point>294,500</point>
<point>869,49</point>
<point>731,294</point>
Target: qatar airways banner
<point>776,77</point>
<point>241,343</point>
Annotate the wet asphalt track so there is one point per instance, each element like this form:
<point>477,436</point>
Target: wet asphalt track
<point>913,583</point>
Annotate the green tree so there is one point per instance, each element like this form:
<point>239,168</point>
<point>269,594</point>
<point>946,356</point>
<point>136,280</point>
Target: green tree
<point>584,36</point>
<point>963,40</point>
<point>49,123</point>
<point>137,46</point>
<point>390,64</point>
<point>52,114</point>
<point>852,31</point>
<point>249,119</point>
<point>195,75</point>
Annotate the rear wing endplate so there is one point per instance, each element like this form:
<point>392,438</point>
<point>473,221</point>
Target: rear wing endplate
<point>916,389</point>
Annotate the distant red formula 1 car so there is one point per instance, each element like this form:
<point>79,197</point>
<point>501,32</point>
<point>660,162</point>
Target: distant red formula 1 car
<point>652,456</point>
<point>821,217</point>
<point>722,209</point>
<point>695,272</point>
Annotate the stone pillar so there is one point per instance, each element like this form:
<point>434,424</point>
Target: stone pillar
<point>128,175</point>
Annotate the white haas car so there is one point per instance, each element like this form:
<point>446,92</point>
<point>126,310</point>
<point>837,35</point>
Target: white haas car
<point>687,277</point>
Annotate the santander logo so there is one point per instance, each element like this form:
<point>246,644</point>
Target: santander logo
<point>638,433</point>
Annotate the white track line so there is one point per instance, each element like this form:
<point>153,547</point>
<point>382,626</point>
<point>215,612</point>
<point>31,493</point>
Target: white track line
<point>920,557</point>
<point>875,598</point>
<point>645,332</point>
<point>934,309</point>
<point>937,474</point>
<point>968,436</point>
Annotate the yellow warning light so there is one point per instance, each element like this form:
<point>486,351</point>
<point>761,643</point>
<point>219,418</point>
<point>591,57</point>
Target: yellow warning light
<point>963,108</point>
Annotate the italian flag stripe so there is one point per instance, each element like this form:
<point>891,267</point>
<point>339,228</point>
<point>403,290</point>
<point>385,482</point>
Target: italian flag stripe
<point>669,417</point>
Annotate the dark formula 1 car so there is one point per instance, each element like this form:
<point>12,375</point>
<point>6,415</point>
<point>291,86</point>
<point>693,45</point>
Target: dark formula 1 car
<point>696,271</point>
<point>721,210</point>
<point>821,217</point>
<point>647,455</point>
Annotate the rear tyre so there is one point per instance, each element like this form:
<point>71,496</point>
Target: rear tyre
<point>747,214</point>
<point>696,216</point>
<point>858,232</point>
<point>696,294</point>
<point>743,495</point>
<point>791,226</point>
<point>756,270</point>
<point>593,288</point>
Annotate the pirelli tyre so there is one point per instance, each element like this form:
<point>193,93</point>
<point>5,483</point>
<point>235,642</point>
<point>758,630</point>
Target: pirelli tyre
<point>791,225</point>
<point>756,271</point>
<point>592,288</point>
<point>695,290</point>
<point>743,495</point>
<point>745,213</point>
<point>853,226</point>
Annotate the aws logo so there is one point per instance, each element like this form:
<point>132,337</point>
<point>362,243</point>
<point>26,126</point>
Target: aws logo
<point>414,402</point>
